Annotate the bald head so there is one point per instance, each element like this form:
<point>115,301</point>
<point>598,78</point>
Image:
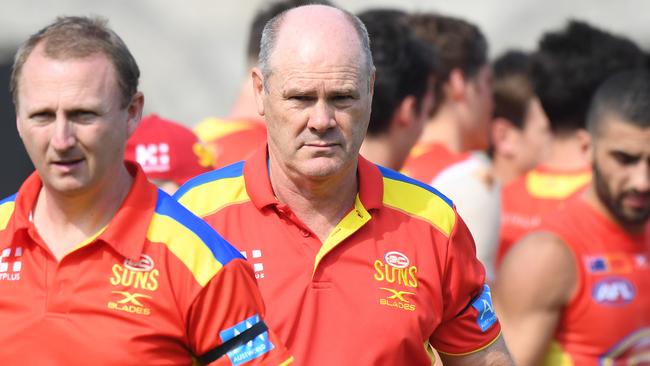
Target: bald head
<point>308,31</point>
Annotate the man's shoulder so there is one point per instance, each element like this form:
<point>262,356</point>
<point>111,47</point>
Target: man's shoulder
<point>7,205</point>
<point>418,199</point>
<point>189,238</point>
<point>211,191</point>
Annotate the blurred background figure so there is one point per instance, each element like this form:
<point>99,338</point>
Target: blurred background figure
<point>520,130</point>
<point>236,136</point>
<point>463,92</point>
<point>567,68</point>
<point>168,152</point>
<point>451,155</point>
<point>404,87</point>
<point>585,295</point>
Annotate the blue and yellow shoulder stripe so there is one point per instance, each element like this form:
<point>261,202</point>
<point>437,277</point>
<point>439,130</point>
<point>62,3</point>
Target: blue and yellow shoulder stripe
<point>203,251</point>
<point>210,192</point>
<point>418,199</point>
<point>6,210</point>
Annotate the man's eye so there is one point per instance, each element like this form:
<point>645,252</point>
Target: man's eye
<point>625,159</point>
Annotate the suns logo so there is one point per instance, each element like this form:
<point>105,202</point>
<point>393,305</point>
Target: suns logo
<point>396,270</point>
<point>133,275</point>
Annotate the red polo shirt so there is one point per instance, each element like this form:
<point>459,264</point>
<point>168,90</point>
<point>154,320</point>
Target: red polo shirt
<point>397,273</point>
<point>156,286</point>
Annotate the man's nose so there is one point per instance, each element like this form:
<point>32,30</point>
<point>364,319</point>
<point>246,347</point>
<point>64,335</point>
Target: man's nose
<point>63,136</point>
<point>322,117</point>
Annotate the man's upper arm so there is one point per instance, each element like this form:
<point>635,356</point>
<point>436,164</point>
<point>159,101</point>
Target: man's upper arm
<point>537,278</point>
<point>226,322</point>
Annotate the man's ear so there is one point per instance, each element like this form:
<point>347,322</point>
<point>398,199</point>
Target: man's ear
<point>501,133</point>
<point>457,84</point>
<point>404,115</point>
<point>585,143</point>
<point>258,89</point>
<point>134,111</point>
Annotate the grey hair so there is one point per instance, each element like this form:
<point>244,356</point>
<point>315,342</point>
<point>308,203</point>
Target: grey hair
<point>272,28</point>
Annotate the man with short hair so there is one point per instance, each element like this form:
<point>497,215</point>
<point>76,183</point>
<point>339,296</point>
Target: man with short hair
<point>359,265</point>
<point>585,295</point>
<point>97,265</point>
<point>568,67</point>
<point>461,119</point>
<point>403,95</point>
<point>520,130</point>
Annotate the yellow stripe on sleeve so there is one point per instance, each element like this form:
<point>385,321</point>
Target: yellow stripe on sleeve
<point>210,197</point>
<point>186,246</point>
<point>419,202</point>
<point>5,213</point>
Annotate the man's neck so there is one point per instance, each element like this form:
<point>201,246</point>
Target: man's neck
<point>380,150</point>
<point>64,221</point>
<point>442,129</point>
<point>319,203</point>
<point>566,153</point>
<point>504,169</point>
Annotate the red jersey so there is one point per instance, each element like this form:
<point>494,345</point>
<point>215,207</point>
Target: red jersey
<point>231,141</point>
<point>427,160</point>
<point>397,273</point>
<point>528,198</point>
<point>156,286</point>
<point>607,322</point>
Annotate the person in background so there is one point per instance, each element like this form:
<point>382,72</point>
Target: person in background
<point>239,134</point>
<point>463,110</point>
<point>567,68</point>
<point>403,95</point>
<point>576,291</point>
<point>168,152</point>
<point>358,264</point>
<point>520,129</point>
<point>97,265</point>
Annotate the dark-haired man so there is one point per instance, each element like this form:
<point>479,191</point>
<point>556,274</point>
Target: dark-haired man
<point>567,68</point>
<point>403,97</point>
<point>577,290</point>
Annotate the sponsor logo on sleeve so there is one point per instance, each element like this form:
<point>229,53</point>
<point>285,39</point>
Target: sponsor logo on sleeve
<point>483,304</point>
<point>250,350</point>
<point>613,291</point>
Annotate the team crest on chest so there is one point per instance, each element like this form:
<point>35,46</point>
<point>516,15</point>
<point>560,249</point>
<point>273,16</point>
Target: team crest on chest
<point>133,284</point>
<point>398,281</point>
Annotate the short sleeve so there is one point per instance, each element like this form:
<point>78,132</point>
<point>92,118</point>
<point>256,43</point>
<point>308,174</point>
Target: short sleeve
<point>227,319</point>
<point>469,323</point>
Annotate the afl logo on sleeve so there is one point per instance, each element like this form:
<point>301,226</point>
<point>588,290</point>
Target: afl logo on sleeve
<point>613,291</point>
<point>483,304</point>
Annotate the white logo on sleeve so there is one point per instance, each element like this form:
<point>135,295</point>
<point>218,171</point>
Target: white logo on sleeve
<point>256,260</point>
<point>11,264</point>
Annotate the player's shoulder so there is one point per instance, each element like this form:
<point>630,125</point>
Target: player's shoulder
<point>190,238</point>
<point>7,205</point>
<point>418,199</point>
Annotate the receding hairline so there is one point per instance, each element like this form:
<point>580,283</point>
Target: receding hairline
<point>349,19</point>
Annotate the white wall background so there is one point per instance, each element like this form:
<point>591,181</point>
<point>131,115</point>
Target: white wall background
<point>191,53</point>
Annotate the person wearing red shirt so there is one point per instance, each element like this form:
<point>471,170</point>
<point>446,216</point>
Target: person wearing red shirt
<point>461,117</point>
<point>567,68</point>
<point>359,265</point>
<point>585,294</point>
<point>98,266</point>
<point>168,152</point>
